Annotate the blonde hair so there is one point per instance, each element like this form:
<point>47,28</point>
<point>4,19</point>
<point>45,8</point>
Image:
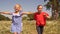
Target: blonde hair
<point>17,5</point>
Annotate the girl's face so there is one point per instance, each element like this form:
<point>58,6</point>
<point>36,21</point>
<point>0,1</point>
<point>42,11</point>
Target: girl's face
<point>17,7</point>
<point>39,8</point>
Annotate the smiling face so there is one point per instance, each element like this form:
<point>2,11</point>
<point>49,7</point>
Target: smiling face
<point>39,8</point>
<point>17,7</point>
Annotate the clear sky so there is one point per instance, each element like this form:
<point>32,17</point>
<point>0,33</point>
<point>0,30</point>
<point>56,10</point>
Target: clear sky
<point>27,5</point>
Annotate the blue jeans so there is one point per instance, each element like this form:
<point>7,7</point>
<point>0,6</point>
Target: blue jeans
<point>40,29</point>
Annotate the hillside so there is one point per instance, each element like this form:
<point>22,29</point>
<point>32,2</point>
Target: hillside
<point>2,17</point>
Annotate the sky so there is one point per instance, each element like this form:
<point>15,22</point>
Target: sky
<point>27,5</point>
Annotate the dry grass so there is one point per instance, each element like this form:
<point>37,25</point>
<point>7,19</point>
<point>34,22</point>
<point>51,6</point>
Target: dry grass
<point>29,27</point>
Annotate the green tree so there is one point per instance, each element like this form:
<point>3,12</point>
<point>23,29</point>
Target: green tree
<point>54,5</point>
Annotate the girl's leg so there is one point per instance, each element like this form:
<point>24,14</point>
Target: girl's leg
<point>15,33</point>
<point>39,29</point>
<point>18,33</point>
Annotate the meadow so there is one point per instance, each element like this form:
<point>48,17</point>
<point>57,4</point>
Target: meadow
<point>52,27</point>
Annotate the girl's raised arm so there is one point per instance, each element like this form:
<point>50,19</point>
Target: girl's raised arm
<point>5,13</point>
<point>27,13</point>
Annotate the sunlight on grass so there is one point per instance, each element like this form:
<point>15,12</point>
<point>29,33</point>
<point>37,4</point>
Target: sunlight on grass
<point>29,27</point>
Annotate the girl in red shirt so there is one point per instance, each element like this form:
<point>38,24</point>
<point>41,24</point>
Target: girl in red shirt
<point>40,18</point>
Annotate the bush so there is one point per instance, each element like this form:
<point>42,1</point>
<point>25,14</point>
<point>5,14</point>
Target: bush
<point>4,18</point>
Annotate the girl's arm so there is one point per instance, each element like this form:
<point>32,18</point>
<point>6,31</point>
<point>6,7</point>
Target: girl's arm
<point>27,13</point>
<point>5,13</point>
<point>47,16</point>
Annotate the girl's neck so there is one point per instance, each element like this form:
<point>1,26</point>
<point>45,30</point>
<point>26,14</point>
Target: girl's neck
<point>16,12</point>
<point>39,12</point>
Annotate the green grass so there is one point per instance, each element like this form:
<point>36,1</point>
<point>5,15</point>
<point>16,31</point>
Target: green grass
<point>52,27</point>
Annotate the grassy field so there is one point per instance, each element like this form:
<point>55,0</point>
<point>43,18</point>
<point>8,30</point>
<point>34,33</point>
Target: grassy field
<point>52,27</point>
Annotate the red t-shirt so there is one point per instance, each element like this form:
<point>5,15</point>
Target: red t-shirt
<point>40,18</point>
